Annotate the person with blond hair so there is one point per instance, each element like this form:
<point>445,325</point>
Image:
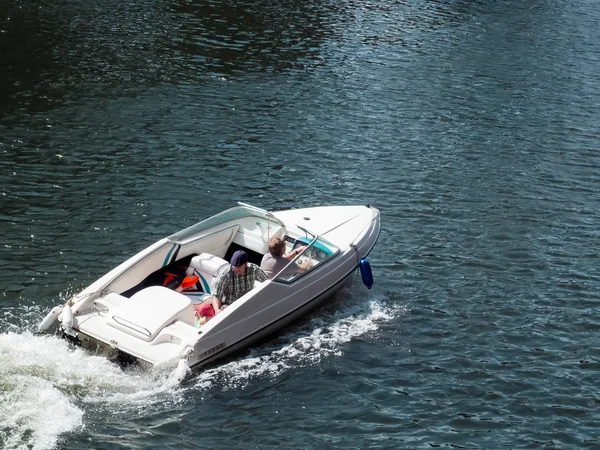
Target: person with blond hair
<point>274,261</point>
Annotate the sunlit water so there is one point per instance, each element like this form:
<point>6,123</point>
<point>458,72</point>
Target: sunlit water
<point>50,387</point>
<point>472,126</point>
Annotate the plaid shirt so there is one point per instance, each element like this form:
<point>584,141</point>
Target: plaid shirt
<point>229,286</point>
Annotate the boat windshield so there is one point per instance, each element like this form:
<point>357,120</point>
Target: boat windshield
<point>317,251</point>
<point>235,213</point>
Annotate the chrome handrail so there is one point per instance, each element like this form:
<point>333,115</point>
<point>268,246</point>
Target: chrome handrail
<point>133,326</point>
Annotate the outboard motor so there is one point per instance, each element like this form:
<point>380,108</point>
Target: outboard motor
<point>365,272</point>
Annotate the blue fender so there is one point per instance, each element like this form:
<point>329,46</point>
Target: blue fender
<point>366,273</point>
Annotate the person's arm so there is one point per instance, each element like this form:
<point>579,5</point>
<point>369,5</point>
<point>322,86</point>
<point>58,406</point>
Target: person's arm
<point>291,255</point>
<point>260,274</point>
<point>220,287</point>
<point>216,303</point>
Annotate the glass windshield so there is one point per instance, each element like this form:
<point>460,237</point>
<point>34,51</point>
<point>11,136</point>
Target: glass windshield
<point>229,215</point>
<point>317,251</point>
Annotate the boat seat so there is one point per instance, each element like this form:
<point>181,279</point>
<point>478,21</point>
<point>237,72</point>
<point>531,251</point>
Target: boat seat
<point>208,267</point>
<point>149,311</point>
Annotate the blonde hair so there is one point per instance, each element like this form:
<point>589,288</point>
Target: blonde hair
<point>276,246</point>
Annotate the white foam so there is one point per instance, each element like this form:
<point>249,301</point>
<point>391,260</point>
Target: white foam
<point>46,385</point>
<point>34,407</point>
<point>35,413</point>
<point>322,337</point>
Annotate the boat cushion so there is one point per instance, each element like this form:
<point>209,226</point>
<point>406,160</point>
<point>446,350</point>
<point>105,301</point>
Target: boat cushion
<point>149,311</point>
<point>208,267</point>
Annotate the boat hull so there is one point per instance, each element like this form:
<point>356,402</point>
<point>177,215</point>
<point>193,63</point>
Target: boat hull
<point>127,315</point>
<point>300,301</point>
<point>200,361</point>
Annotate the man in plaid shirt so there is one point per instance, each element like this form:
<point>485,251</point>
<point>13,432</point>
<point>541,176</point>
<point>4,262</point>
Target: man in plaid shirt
<point>236,281</point>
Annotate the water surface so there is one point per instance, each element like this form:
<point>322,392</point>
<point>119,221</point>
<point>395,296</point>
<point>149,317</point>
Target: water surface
<point>472,126</point>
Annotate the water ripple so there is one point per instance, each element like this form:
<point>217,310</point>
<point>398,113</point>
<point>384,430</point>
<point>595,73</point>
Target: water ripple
<point>471,125</point>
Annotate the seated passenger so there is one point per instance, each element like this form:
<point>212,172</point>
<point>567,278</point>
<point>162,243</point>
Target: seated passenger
<point>274,261</point>
<point>202,313</point>
<point>236,281</point>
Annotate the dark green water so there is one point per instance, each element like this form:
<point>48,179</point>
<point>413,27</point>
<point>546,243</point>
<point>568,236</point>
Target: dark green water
<point>471,125</point>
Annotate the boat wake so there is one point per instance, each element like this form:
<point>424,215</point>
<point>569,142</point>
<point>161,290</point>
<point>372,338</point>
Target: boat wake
<point>48,386</point>
<point>320,337</point>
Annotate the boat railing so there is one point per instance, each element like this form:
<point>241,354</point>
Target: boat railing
<point>133,326</point>
<point>269,214</point>
<point>230,215</point>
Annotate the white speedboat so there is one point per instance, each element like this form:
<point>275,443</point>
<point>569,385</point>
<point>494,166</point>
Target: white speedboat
<point>130,314</point>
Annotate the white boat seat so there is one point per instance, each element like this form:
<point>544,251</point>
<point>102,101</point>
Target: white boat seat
<point>207,267</point>
<point>149,311</point>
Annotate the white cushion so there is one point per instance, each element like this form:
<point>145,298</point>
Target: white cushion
<point>149,311</point>
<point>207,263</point>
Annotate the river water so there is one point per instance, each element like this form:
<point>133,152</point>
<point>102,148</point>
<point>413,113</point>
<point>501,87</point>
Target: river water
<point>471,125</point>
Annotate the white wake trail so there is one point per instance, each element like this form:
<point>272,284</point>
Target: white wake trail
<point>320,338</point>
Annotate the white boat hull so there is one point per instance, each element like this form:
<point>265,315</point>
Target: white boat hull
<point>128,313</point>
